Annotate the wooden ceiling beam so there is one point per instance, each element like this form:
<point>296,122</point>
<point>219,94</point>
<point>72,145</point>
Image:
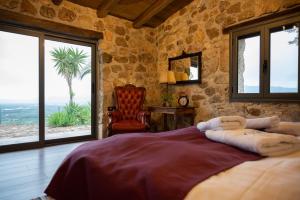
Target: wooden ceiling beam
<point>155,8</point>
<point>57,2</point>
<point>105,7</point>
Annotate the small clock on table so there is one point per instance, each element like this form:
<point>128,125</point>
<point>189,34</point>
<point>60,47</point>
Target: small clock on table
<point>183,100</point>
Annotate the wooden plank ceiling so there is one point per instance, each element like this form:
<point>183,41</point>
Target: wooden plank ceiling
<point>141,12</point>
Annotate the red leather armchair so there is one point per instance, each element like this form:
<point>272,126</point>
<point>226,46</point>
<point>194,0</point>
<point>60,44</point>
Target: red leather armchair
<point>128,115</point>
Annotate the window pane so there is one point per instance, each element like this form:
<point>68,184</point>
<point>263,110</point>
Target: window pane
<point>67,90</point>
<point>248,64</point>
<point>284,60</point>
<point>19,96</point>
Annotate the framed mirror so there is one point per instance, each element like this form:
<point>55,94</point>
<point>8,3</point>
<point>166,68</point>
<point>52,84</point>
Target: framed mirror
<point>186,67</point>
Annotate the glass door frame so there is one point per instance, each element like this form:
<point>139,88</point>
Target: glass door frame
<point>60,38</point>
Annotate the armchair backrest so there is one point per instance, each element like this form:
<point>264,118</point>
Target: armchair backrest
<point>130,100</point>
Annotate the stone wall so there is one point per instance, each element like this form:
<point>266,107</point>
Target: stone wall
<point>126,55</point>
<point>198,27</point>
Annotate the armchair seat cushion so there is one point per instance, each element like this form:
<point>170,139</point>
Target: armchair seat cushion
<point>126,126</point>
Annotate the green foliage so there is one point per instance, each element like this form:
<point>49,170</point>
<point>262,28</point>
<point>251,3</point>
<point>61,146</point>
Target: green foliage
<point>59,119</point>
<point>72,114</point>
<point>68,61</point>
<point>85,71</point>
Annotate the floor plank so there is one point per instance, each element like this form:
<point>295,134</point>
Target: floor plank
<point>15,157</point>
<point>25,174</point>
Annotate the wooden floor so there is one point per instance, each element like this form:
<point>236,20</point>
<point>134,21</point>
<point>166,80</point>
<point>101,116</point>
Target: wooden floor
<point>25,174</point>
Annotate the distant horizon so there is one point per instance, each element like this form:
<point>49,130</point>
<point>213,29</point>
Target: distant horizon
<point>36,102</point>
<point>273,89</point>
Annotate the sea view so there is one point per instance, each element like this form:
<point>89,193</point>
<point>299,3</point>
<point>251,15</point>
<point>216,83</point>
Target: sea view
<point>21,114</point>
<point>19,123</point>
<point>278,89</point>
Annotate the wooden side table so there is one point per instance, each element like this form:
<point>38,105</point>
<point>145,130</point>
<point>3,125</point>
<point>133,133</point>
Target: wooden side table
<point>175,111</point>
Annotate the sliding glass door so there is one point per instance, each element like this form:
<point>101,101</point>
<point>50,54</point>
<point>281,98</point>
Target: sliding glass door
<point>19,88</point>
<point>67,89</point>
<point>46,88</point>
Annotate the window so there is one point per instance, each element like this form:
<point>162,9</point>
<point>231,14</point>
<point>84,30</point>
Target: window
<point>265,61</point>
<point>47,88</point>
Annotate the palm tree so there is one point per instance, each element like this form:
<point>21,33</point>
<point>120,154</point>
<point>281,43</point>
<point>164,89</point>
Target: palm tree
<point>85,71</point>
<point>69,63</point>
<point>296,39</point>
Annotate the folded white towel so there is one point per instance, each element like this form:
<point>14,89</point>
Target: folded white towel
<point>262,123</point>
<point>266,144</point>
<point>291,128</point>
<point>223,123</point>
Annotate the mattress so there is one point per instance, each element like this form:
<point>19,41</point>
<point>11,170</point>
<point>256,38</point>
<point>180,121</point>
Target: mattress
<point>269,178</point>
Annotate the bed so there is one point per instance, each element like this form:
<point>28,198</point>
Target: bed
<point>179,164</point>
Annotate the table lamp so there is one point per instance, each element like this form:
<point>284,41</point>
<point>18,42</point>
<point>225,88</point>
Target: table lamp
<point>167,77</point>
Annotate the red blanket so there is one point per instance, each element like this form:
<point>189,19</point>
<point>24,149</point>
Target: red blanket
<point>140,166</point>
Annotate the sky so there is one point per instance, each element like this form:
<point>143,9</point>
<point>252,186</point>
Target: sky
<point>284,60</point>
<point>19,72</point>
<point>251,60</point>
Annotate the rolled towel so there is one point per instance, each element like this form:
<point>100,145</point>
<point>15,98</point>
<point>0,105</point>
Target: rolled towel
<point>265,144</point>
<point>223,123</point>
<point>291,128</point>
<point>262,123</point>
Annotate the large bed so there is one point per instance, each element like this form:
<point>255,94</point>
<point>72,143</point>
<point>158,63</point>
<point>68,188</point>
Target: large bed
<point>179,164</point>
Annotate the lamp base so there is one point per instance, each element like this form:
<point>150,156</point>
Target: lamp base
<point>166,104</point>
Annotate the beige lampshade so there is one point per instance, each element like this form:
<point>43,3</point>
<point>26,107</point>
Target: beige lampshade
<point>181,76</point>
<point>185,77</point>
<point>178,76</point>
<point>163,77</point>
<point>171,77</point>
<point>167,77</point>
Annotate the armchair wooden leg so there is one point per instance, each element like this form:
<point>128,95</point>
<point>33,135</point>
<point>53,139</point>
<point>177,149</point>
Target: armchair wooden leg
<point>109,131</point>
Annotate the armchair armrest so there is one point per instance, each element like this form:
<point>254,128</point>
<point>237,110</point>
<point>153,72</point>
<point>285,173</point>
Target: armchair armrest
<point>114,116</point>
<point>144,117</point>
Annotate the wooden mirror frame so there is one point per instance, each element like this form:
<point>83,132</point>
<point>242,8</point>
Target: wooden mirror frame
<point>188,55</point>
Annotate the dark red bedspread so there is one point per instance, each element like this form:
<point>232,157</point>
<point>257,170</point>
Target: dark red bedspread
<point>140,166</point>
